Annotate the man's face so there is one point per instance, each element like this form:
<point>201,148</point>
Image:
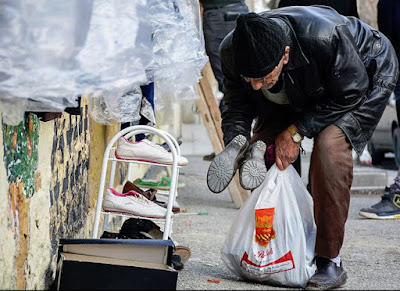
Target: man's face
<point>269,80</point>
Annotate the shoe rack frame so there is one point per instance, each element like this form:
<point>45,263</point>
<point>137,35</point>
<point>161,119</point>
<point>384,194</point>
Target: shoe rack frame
<point>109,158</point>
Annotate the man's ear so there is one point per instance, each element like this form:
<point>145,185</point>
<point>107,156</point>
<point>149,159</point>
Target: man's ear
<point>286,55</point>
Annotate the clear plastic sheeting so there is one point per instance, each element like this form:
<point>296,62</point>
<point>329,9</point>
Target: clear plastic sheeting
<point>118,46</point>
<point>52,51</point>
<point>115,58</point>
<point>106,106</point>
<point>178,46</point>
<point>38,44</point>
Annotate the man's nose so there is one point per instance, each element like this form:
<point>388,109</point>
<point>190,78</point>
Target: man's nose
<point>256,85</point>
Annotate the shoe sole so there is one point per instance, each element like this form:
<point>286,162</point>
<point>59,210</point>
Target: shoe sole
<point>335,286</point>
<point>324,288</point>
<point>253,171</point>
<point>223,167</point>
<point>375,216</point>
<point>124,212</point>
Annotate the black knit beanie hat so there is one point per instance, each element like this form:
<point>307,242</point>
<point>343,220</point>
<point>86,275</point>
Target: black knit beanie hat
<point>258,45</point>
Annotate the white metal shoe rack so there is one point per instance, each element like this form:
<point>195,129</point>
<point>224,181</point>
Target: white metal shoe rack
<point>110,157</point>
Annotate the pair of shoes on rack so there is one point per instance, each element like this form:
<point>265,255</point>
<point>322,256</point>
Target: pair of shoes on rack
<point>136,228</point>
<point>163,184</point>
<point>238,154</point>
<point>387,208</point>
<point>146,151</point>
<point>132,203</point>
<point>149,194</point>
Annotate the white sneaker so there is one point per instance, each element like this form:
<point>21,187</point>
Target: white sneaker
<point>165,198</point>
<point>132,203</point>
<point>146,151</point>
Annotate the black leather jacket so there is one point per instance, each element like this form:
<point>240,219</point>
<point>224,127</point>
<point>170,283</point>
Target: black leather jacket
<point>341,71</point>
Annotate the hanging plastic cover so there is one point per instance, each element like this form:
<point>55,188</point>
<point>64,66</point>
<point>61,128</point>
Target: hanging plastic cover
<point>114,59</point>
<point>118,46</point>
<point>178,46</point>
<point>125,108</point>
<point>39,41</point>
<point>53,51</point>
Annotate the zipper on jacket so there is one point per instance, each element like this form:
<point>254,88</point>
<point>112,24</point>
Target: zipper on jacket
<point>290,77</point>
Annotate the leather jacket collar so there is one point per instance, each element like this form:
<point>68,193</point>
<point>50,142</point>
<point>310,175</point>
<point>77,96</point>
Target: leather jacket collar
<point>297,58</point>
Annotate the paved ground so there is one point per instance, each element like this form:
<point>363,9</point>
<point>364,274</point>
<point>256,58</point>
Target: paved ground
<point>371,251</point>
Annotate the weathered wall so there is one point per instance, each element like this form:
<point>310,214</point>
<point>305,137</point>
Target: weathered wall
<point>49,177</point>
<point>44,178</point>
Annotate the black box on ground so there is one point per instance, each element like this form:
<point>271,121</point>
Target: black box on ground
<point>100,264</point>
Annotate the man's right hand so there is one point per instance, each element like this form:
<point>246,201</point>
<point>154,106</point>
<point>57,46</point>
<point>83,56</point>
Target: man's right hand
<point>286,150</point>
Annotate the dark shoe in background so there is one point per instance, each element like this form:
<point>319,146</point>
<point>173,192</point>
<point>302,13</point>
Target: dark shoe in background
<point>253,169</point>
<point>224,166</point>
<point>209,157</point>
<point>328,275</point>
<point>387,208</point>
<point>137,228</point>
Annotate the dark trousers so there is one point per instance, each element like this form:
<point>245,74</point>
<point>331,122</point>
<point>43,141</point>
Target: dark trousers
<point>331,176</point>
<point>217,23</point>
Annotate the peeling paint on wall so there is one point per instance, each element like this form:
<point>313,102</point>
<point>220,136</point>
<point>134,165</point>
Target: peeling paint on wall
<point>20,159</point>
<point>20,153</point>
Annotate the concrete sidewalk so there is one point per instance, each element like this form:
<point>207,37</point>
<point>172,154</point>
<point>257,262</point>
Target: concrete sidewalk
<point>370,254</point>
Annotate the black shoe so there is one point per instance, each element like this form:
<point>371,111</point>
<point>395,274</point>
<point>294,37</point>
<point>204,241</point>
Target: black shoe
<point>328,275</point>
<point>387,208</point>
<point>224,166</point>
<point>177,262</point>
<point>253,170</point>
<point>138,228</point>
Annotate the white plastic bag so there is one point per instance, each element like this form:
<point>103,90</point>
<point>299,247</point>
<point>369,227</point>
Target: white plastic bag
<point>272,239</point>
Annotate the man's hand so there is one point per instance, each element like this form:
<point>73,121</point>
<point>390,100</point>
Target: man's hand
<point>286,150</point>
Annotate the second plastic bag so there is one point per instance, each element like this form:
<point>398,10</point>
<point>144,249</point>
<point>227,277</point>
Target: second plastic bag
<point>272,239</point>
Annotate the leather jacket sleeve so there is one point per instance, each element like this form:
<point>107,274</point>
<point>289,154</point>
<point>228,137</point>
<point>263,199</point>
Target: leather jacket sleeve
<point>346,85</point>
<point>238,115</point>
